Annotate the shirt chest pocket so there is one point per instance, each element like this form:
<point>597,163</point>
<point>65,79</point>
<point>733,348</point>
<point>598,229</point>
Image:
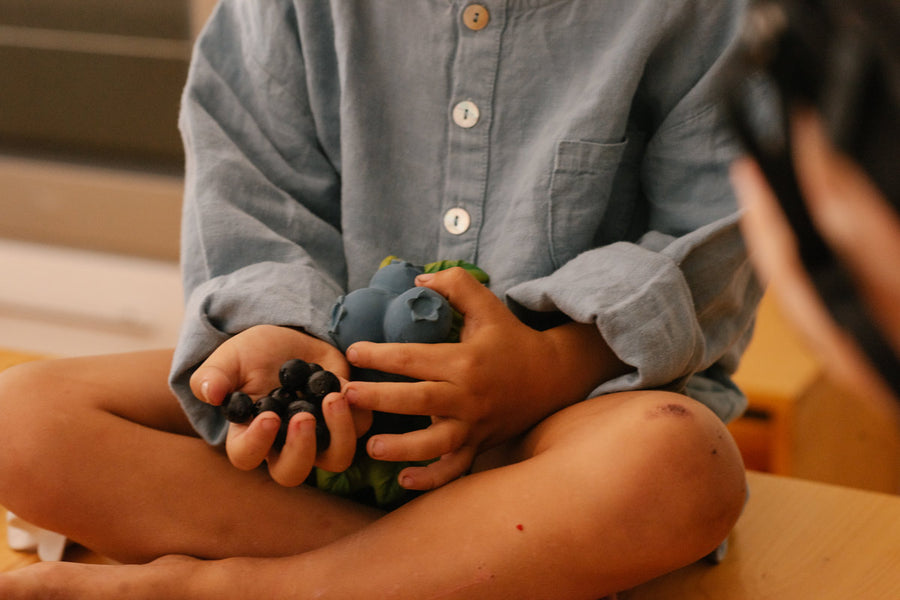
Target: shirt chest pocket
<point>580,186</point>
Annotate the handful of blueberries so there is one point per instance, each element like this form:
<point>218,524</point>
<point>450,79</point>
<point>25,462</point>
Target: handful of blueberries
<point>303,388</point>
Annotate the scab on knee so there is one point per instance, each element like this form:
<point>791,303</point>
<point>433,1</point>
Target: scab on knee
<point>670,409</point>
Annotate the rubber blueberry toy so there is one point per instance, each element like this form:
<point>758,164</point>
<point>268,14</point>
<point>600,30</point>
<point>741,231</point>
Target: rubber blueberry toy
<point>418,315</point>
<point>359,316</point>
<point>391,309</point>
<point>395,275</point>
<point>303,388</point>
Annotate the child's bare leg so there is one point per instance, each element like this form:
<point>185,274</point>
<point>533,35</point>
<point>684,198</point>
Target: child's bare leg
<point>99,449</point>
<point>609,493</point>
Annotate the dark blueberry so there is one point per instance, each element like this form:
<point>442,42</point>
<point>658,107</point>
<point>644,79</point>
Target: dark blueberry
<point>268,403</point>
<point>299,406</point>
<point>238,408</point>
<point>281,436</point>
<point>323,436</point>
<point>283,395</point>
<point>418,315</point>
<point>322,383</point>
<point>294,373</point>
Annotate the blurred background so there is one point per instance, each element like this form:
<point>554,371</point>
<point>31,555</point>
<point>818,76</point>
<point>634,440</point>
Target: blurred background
<point>91,171</point>
<point>90,198</point>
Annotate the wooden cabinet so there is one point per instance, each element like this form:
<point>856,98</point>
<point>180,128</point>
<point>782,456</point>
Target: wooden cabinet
<point>801,423</point>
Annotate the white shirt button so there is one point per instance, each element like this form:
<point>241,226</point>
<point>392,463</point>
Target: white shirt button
<point>457,221</point>
<point>465,114</point>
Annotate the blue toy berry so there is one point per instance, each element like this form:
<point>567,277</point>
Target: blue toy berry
<point>358,317</point>
<point>396,277</point>
<point>418,315</point>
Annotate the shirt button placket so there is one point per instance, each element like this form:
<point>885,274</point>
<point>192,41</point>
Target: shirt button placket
<point>473,81</point>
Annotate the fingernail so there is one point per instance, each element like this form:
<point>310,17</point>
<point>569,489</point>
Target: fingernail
<point>424,277</point>
<point>204,390</point>
<point>351,395</point>
<point>406,481</point>
<point>376,448</point>
<point>352,354</point>
<point>340,406</point>
<point>308,425</point>
<point>269,423</point>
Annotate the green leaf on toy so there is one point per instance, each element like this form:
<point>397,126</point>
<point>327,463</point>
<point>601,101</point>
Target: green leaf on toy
<point>474,270</point>
<point>442,265</point>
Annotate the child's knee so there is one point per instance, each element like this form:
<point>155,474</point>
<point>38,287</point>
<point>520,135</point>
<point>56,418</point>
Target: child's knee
<point>27,394</point>
<point>690,451</point>
<point>666,462</point>
<point>20,390</point>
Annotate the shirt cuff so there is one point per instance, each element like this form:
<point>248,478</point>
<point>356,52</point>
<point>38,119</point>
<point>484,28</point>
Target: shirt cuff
<point>264,293</point>
<point>639,301</point>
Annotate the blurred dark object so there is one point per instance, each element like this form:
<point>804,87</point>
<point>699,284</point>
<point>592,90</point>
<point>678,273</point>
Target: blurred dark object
<point>94,80</point>
<point>842,59</point>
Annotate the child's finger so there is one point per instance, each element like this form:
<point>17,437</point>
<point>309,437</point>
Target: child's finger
<point>338,456</point>
<point>417,361</point>
<point>430,398</point>
<point>465,293</point>
<point>291,465</point>
<point>442,437</point>
<point>213,380</point>
<point>438,473</point>
<point>248,445</point>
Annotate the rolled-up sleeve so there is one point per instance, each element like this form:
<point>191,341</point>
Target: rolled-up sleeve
<point>680,314</point>
<point>261,239</point>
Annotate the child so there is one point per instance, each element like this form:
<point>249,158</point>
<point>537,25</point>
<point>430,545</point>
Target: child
<point>569,149</point>
<point>858,222</point>
<point>822,247</point>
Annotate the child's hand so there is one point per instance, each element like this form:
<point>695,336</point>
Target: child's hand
<point>250,362</point>
<point>499,380</point>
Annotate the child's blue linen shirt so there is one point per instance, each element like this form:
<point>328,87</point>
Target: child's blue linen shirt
<point>572,149</point>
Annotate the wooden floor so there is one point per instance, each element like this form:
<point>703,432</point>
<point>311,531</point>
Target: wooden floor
<point>11,559</point>
<point>9,358</point>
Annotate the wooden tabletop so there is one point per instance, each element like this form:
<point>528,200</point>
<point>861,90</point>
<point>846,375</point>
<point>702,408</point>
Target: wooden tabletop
<point>796,540</point>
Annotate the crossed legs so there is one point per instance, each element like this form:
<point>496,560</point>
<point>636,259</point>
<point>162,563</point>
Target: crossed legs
<point>596,498</point>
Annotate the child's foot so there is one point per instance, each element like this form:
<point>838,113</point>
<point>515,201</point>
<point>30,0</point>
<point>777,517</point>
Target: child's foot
<point>165,578</point>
